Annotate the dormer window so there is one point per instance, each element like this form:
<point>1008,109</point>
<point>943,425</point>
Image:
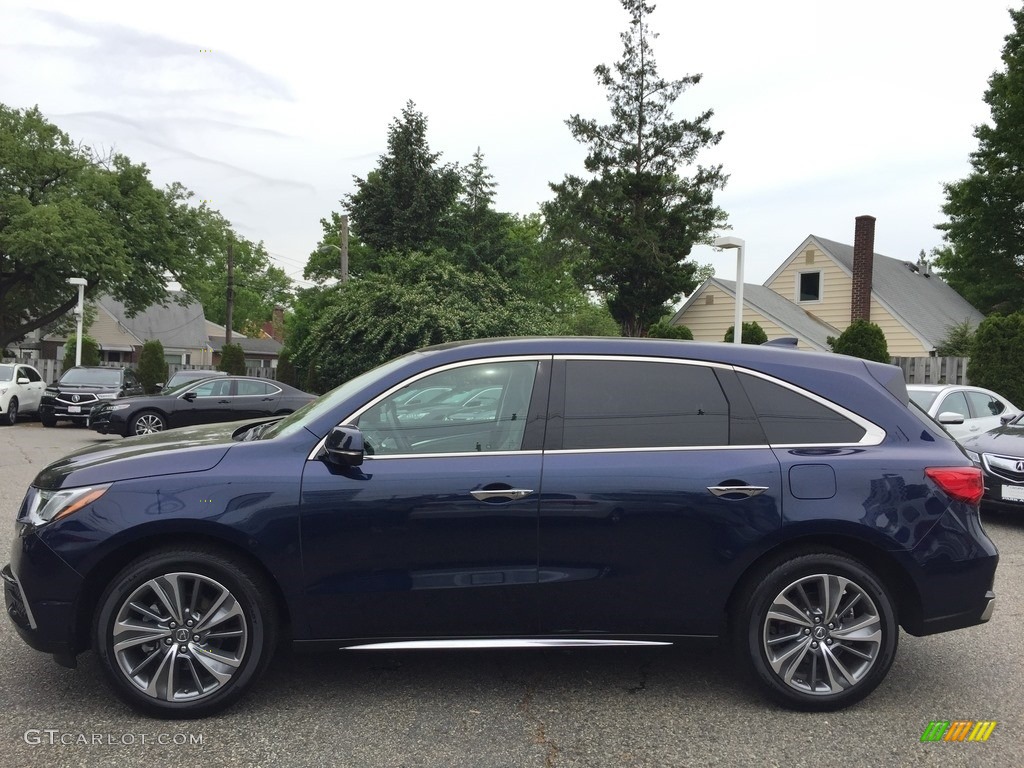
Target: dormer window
<point>809,286</point>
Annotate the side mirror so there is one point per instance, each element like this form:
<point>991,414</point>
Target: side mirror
<point>1006,418</point>
<point>951,417</point>
<point>160,384</point>
<point>23,380</point>
<point>190,396</point>
<point>344,446</point>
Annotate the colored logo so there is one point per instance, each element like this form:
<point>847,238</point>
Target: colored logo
<point>958,730</point>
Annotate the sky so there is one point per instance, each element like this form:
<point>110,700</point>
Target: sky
<point>268,110</point>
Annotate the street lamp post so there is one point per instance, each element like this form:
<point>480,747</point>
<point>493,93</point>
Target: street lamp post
<point>727,243</point>
<point>81,282</point>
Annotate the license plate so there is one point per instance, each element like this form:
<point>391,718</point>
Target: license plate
<point>1013,493</point>
<point>74,409</point>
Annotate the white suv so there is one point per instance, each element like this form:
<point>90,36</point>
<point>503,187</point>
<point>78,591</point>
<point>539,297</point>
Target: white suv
<point>21,388</point>
<point>981,409</point>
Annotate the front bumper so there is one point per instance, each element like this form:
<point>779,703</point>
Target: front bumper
<point>60,412</point>
<point>40,594</point>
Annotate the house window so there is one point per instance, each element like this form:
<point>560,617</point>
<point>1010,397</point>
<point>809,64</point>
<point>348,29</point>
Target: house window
<point>809,286</point>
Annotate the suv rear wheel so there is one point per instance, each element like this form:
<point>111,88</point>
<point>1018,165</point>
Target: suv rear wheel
<point>818,631</point>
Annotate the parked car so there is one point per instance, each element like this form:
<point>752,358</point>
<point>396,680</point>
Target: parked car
<point>222,398</point>
<point>1000,453</point>
<point>625,492</point>
<point>21,389</point>
<point>185,375</point>
<point>81,388</point>
<point>979,408</point>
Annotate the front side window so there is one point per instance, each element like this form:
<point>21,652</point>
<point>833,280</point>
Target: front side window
<point>483,409</point>
<point>212,388</point>
<point>30,374</point>
<point>984,406</point>
<point>639,404</point>
<point>957,403</point>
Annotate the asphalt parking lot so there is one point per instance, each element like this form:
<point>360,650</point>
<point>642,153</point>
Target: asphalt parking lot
<point>608,707</point>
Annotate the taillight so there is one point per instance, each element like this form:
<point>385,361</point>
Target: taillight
<point>961,483</point>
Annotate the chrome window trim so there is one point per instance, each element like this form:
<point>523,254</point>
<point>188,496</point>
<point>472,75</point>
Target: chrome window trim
<point>423,374</point>
<point>646,359</point>
<point>460,454</point>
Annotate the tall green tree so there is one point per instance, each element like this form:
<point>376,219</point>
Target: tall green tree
<point>637,216</point>
<point>404,204</point>
<point>417,299</point>
<point>997,355</point>
<point>67,212</point>
<point>152,365</point>
<point>984,257</point>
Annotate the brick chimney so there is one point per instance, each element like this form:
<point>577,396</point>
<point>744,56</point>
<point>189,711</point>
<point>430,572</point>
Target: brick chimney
<point>863,262</point>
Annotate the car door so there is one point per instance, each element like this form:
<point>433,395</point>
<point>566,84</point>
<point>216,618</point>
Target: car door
<point>656,487</point>
<point>208,402</point>
<point>254,399</point>
<point>436,532</point>
<point>985,411</point>
<point>32,392</point>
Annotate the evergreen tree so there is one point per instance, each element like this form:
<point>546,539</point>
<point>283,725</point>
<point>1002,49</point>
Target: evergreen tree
<point>152,366</point>
<point>637,217</point>
<point>862,339</point>
<point>404,204</point>
<point>985,231</point>
<point>232,359</point>
<point>997,356</point>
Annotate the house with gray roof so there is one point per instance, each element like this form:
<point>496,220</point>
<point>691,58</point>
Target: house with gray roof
<point>824,285</point>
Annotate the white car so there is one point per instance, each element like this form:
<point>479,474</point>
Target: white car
<point>21,388</point>
<point>980,409</point>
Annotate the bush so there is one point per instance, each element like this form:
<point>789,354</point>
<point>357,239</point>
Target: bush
<point>152,366</point>
<point>753,333</point>
<point>664,330</point>
<point>998,356</point>
<point>958,342</point>
<point>285,369</point>
<point>232,360</point>
<point>862,339</point>
<point>90,351</point>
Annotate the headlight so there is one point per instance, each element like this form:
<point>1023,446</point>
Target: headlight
<point>42,507</point>
<point>975,457</point>
<point>4,387</point>
<point>107,395</point>
<point>118,407</point>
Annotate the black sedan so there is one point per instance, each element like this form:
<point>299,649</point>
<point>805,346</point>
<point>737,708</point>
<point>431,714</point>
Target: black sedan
<point>1000,452</point>
<point>226,398</point>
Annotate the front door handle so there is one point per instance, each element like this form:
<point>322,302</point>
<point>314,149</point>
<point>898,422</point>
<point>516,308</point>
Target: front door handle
<point>509,494</point>
<point>746,491</point>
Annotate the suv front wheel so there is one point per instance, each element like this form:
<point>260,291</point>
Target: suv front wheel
<point>818,631</point>
<point>182,633</point>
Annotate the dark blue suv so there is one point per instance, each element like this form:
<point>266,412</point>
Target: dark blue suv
<point>605,492</point>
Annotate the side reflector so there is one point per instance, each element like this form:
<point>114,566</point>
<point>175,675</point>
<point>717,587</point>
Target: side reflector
<point>961,483</point>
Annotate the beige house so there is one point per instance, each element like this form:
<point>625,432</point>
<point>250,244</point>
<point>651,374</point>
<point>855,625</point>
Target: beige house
<point>824,285</point>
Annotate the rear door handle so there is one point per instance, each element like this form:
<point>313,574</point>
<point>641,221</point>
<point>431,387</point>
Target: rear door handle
<point>509,494</point>
<point>746,491</point>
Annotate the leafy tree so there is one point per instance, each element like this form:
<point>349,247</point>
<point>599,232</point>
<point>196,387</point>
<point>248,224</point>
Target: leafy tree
<point>862,339</point>
<point>152,366</point>
<point>417,299</point>
<point>66,212</point>
<point>232,359</point>
<point>998,355</point>
<point>663,329</point>
<point>984,257</point>
<point>958,342</point>
<point>405,202</point>
<point>90,351</point>
<point>637,217</point>
<point>753,333</point>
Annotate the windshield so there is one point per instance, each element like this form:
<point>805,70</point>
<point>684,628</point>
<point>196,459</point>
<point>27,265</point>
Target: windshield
<point>329,401</point>
<point>92,377</point>
<point>6,372</point>
<point>923,397</point>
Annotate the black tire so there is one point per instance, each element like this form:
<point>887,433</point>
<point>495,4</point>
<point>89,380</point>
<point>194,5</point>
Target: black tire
<point>47,421</point>
<point>245,637</point>
<point>146,423</point>
<point>811,659</point>
<point>11,417</point>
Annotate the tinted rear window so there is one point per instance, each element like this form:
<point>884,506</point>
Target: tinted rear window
<point>790,418</point>
<point>632,404</point>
